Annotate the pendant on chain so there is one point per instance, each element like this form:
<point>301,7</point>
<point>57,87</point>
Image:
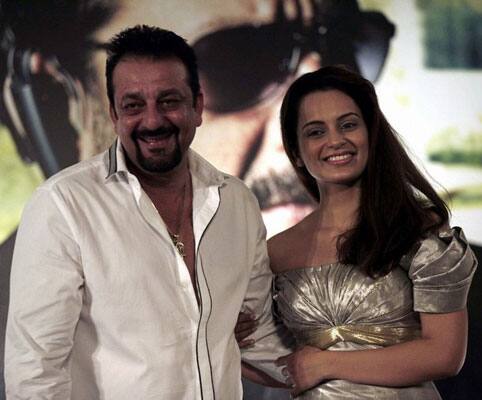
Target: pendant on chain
<point>179,245</point>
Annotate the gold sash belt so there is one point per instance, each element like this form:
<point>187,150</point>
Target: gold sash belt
<point>361,334</point>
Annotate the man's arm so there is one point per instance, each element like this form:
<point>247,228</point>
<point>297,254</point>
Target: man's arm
<point>270,339</point>
<point>46,287</point>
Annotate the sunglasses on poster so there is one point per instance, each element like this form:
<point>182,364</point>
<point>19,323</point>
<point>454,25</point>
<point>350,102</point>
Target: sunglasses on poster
<point>239,66</point>
<point>243,65</point>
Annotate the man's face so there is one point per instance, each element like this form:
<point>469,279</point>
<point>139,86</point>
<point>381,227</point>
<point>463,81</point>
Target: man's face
<point>245,142</point>
<point>154,114</point>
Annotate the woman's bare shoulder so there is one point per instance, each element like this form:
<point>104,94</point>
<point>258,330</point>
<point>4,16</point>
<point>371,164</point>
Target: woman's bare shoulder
<point>284,247</point>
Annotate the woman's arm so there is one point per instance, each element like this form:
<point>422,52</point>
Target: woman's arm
<point>440,352</point>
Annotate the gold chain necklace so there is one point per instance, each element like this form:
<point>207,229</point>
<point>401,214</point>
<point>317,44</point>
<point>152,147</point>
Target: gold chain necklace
<point>176,238</point>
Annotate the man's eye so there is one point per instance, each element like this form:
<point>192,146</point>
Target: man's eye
<point>170,104</point>
<point>129,107</point>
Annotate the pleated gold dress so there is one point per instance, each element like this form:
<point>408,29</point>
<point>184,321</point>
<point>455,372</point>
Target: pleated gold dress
<point>337,307</point>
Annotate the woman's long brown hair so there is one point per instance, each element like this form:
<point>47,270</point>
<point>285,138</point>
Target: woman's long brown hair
<point>398,206</point>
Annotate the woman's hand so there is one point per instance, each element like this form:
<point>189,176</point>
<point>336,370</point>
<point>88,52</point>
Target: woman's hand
<point>303,369</point>
<point>245,326</point>
<point>437,354</point>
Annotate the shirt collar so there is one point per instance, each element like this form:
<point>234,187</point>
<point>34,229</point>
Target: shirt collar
<point>198,166</point>
<point>115,159</point>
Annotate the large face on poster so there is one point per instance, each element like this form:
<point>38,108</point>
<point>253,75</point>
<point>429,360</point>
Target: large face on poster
<point>55,110</point>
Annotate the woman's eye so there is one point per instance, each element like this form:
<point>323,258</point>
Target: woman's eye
<point>315,132</point>
<point>349,125</point>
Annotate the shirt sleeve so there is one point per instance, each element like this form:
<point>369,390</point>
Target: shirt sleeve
<point>272,340</point>
<point>441,271</point>
<point>46,288</point>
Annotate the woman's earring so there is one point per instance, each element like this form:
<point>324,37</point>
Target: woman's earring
<point>299,163</point>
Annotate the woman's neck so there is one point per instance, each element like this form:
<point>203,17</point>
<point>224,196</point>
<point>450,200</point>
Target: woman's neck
<point>338,207</point>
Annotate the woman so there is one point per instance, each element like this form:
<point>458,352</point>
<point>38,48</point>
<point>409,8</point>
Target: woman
<point>374,274</point>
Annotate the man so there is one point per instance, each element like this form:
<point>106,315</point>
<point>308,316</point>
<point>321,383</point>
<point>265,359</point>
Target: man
<point>130,269</point>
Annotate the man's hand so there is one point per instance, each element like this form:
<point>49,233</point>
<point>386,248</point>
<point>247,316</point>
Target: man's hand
<point>245,326</point>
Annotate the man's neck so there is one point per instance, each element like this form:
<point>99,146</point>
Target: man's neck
<point>168,182</point>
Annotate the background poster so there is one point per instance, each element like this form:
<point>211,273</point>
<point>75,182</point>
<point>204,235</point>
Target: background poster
<point>424,57</point>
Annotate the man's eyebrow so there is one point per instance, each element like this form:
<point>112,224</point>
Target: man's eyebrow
<point>170,92</point>
<point>162,93</point>
<point>131,96</point>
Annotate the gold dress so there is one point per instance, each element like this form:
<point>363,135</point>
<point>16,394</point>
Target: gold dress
<point>337,307</point>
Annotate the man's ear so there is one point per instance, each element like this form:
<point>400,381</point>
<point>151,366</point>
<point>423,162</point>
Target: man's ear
<point>113,114</point>
<point>198,108</point>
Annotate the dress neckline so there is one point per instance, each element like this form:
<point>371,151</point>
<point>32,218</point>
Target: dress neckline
<point>315,267</point>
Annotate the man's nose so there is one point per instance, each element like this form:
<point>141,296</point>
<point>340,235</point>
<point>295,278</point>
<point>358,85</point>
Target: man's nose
<point>153,118</point>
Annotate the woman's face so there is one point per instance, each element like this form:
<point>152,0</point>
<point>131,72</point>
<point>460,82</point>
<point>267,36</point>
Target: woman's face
<point>332,138</point>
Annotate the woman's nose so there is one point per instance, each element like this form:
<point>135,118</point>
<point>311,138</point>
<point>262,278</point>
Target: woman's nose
<point>335,138</point>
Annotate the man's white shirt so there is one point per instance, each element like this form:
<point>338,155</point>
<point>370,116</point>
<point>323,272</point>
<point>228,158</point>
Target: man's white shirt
<point>102,305</point>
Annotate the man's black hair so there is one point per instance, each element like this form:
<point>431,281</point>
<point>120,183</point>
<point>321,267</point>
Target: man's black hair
<point>153,42</point>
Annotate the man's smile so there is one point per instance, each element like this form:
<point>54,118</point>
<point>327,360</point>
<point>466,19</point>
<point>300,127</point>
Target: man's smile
<point>157,139</point>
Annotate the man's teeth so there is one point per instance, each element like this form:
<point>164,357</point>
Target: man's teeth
<point>152,139</point>
<point>339,158</point>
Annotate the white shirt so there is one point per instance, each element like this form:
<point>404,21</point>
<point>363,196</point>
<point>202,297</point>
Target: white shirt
<point>102,305</point>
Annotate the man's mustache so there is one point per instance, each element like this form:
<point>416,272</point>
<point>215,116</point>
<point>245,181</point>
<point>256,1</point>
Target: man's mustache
<point>161,131</point>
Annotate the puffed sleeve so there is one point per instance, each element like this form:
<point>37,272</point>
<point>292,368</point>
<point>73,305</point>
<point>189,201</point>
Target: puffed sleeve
<point>441,268</point>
